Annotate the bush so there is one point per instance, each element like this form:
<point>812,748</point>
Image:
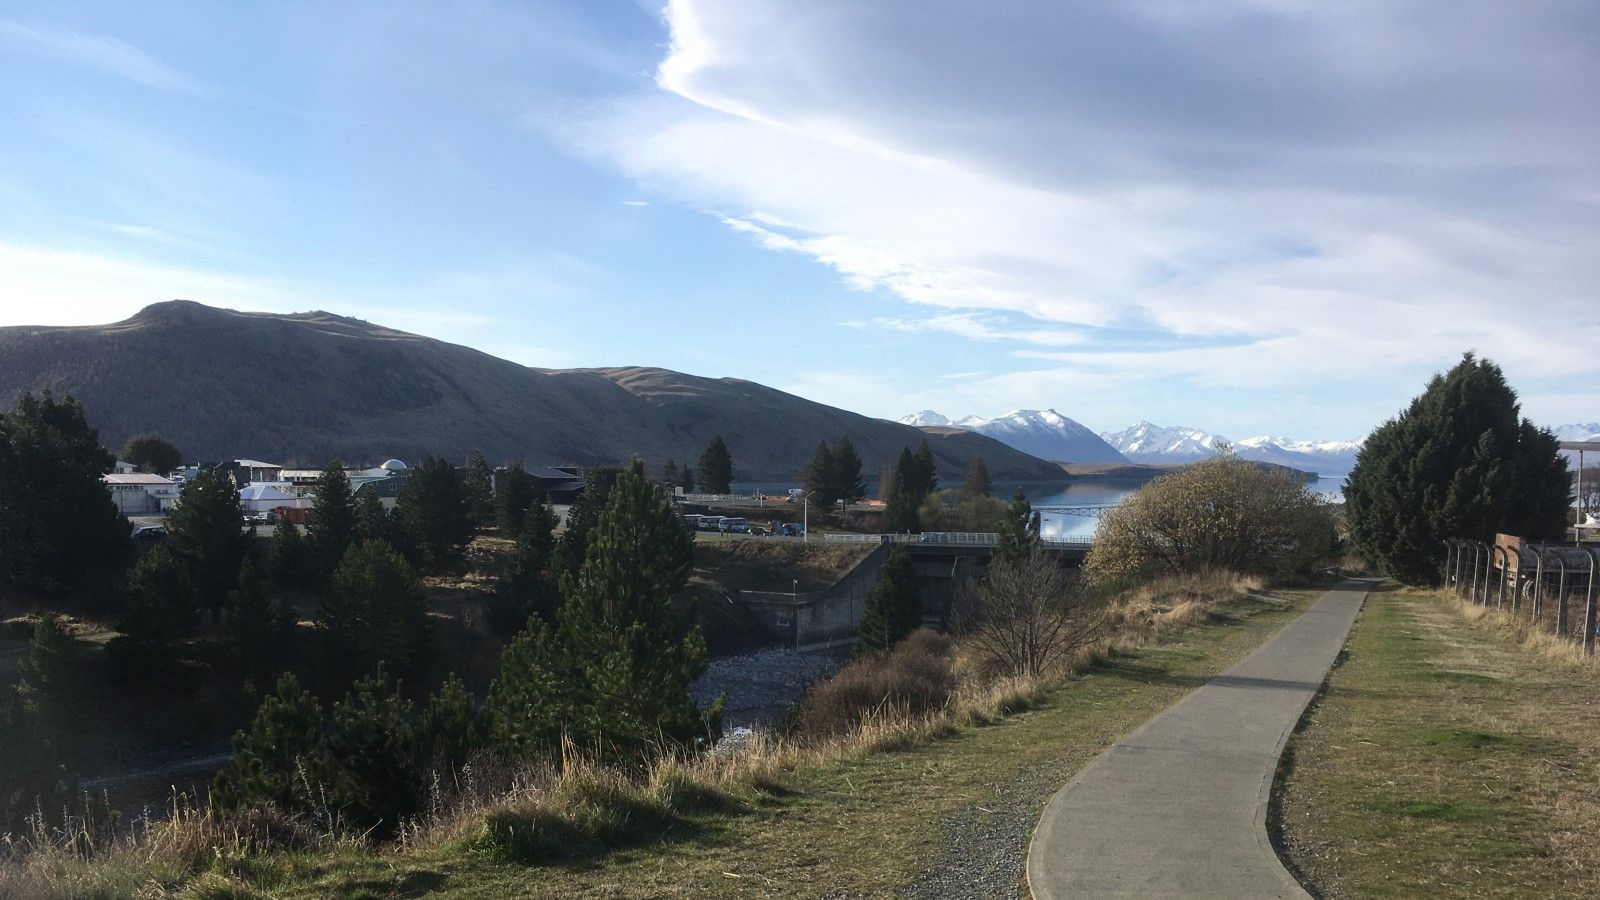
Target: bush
<point>1221,514</point>
<point>1027,616</point>
<point>917,676</point>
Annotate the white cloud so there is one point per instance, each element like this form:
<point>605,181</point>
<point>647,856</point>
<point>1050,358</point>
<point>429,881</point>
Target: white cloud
<point>106,55</point>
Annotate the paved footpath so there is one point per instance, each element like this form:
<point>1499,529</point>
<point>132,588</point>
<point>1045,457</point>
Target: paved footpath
<point>1178,808</point>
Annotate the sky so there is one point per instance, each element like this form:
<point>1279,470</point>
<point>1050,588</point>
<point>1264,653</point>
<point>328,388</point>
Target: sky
<point>1248,216</point>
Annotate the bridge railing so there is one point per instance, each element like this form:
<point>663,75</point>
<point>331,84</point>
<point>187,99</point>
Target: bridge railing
<point>952,538</point>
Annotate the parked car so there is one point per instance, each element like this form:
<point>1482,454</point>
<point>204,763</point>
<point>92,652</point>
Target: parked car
<point>795,495</point>
<point>149,533</point>
<point>792,529</point>
<point>758,531</point>
<point>734,525</point>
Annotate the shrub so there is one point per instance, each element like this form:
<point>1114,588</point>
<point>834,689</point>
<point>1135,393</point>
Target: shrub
<point>917,676</point>
<point>1027,616</point>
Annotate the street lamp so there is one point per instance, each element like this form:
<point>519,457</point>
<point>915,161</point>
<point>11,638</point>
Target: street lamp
<point>805,517</point>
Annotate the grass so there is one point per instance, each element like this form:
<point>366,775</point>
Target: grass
<point>1450,756</point>
<point>860,823</point>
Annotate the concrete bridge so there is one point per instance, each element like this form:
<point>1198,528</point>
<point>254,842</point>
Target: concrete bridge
<point>946,562</point>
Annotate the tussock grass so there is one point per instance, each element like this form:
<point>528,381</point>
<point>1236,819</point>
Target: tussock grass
<point>1536,640</point>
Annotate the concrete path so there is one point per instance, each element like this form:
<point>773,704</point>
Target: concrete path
<point>1178,808</point>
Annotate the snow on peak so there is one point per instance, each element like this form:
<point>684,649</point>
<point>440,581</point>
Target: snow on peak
<point>926,417</point>
<point>1044,433</point>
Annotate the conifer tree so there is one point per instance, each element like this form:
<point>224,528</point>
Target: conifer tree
<point>58,524</point>
<point>537,697</point>
<point>479,484</point>
<point>925,472</point>
<point>817,476</point>
<point>374,775</point>
<point>376,610</point>
<point>637,659</point>
<point>901,500</point>
<point>686,477</point>
<point>160,612</point>
<point>669,474</point>
<point>977,483</point>
<point>331,524</point>
<point>528,584</point>
<point>715,469</point>
<point>893,608</point>
<point>846,483</point>
<point>432,511</point>
<point>152,453</point>
<point>1459,462</point>
<point>448,732</point>
<point>203,533</point>
<point>582,516</point>
<point>290,556</point>
<point>514,493</point>
<point>49,690</point>
<point>1019,530</point>
<point>261,629</point>
<point>278,759</point>
<point>373,522</point>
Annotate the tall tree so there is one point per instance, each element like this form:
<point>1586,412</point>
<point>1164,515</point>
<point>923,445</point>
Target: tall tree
<point>376,611</point>
<point>160,612</point>
<point>901,499</point>
<point>479,484</point>
<point>669,473</point>
<point>638,660</point>
<point>818,473</point>
<point>1019,530</point>
<point>924,472</point>
<point>58,525</point>
<point>846,483</point>
<point>1459,462</point>
<point>432,511</point>
<point>331,524</point>
<point>373,522</point>
<point>514,493</point>
<point>290,556</point>
<point>204,534</point>
<point>893,608</point>
<point>261,628</point>
<point>686,479</point>
<point>582,516</point>
<point>153,453</point>
<point>977,483</point>
<point>715,468</point>
<point>527,586</point>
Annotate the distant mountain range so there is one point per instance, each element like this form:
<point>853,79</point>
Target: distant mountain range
<point>312,387</point>
<point>1578,432</point>
<point>1156,444</point>
<point>1044,433</point>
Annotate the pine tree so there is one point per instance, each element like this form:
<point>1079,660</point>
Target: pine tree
<point>514,493</point>
<point>58,524</point>
<point>291,557</point>
<point>376,610</point>
<point>901,499</point>
<point>715,468</point>
<point>261,629</point>
<point>331,524</point>
<point>479,484</point>
<point>637,660</point>
<point>669,474</point>
<point>582,516</point>
<point>203,533</point>
<point>448,732</point>
<point>1459,462</point>
<point>977,483</point>
<point>374,775</point>
<point>152,453</point>
<point>528,586</point>
<point>893,608</point>
<point>1019,530</point>
<point>925,472</point>
<point>817,476</point>
<point>160,612</point>
<point>49,690</point>
<point>846,483</point>
<point>537,697</point>
<point>432,511</point>
<point>279,759</point>
<point>686,478</point>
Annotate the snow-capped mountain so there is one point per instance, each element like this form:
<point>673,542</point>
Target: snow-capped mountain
<point>1155,444</point>
<point>1578,432</point>
<point>1044,433</point>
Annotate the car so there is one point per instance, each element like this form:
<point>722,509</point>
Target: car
<point>149,533</point>
<point>795,494</point>
<point>758,531</point>
<point>792,529</point>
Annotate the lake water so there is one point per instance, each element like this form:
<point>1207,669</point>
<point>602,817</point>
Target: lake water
<point>1075,493</point>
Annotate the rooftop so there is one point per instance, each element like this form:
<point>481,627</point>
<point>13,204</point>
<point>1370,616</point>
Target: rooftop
<point>136,479</point>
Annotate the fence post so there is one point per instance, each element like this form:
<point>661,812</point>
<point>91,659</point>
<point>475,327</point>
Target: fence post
<point>1538,584</point>
<point>1505,574</point>
<point>1588,606</point>
<point>1477,595</point>
<point>1561,596</point>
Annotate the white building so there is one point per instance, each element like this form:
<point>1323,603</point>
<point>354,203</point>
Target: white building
<point>141,495</point>
<point>267,496</point>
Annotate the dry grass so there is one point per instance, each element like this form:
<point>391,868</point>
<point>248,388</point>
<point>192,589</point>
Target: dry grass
<point>1536,641</point>
<point>1152,611</point>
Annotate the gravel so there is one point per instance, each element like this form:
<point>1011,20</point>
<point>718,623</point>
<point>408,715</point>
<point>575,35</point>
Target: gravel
<point>761,686</point>
<point>985,846</point>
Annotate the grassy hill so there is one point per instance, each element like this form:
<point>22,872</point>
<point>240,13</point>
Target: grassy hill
<point>310,387</point>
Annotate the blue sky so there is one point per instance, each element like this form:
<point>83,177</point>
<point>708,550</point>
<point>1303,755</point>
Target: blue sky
<point>1250,216</point>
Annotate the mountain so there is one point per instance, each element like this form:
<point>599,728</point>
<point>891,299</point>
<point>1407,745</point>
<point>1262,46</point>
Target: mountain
<point>1155,444</point>
<point>1578,432</point>
<point>1044,433</point>
<point>310,387</point>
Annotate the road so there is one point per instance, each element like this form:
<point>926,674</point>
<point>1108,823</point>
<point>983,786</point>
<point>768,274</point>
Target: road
<point>1178,808</point>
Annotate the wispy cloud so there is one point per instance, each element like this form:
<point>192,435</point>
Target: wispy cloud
<point>106,55</point>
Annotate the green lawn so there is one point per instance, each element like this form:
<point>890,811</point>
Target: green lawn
<point>866,826</point>
<point>1444,761</point>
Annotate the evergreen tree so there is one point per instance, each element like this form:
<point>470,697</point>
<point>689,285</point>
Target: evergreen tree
<point>977,483</point>
<point>924,478</point>
<point>203,533</point>
<point>1019,530</point>
<point>846,481</point>
<point>637,660</point>
<point>686,478</point>
<point>279,759</point>
<point>448,732</point>
<point>49,691</point>
<point>893,608</point>
<point>1459,462</point>
<point>528,584</point>
<point>514,493</point>
<point>901,499</point>
<point>537,697</point>
<point>669,474</point>
<point>373,522</point>
<point>817,476</point>
<point>160,612</point>
<point>479,484</point>
<point>715,468</point>
<point>261,629</point>
<point>374,775</point>
<point>432,511</point>
<point>376,610</point>
<point>58,524</point>
<point>152,453</point>
<point>292,561</point>
<point>582,516</point>
<point>331,524</point>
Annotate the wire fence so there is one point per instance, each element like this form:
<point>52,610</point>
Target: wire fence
<point>1555,587</point>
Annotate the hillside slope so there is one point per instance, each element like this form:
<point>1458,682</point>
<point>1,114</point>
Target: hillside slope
<point>310,387</point>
